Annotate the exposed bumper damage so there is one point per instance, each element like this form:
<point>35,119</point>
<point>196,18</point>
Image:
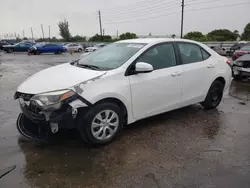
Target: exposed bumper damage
<point>38,125</point>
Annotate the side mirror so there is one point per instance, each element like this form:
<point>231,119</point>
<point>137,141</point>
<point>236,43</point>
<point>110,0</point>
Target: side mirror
<point>142,67</point>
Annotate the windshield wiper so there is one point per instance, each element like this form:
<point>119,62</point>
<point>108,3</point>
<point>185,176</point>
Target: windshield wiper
<point>76,62</point>
<point>88,66</point>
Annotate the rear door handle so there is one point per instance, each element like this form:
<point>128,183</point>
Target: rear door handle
<point>210,66</point>
<point>177,73</point>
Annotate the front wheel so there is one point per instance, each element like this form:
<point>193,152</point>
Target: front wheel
<point>101,124</point>
<point>59,52</point>
<point>214,95</point>
<point>79,50</point>
<point>37,52</point>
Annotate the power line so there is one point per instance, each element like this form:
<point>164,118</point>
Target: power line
<point>137,4</point>
<point>201,2</point>
<point>172,13</point>
<point>141,7</point>
<point>146,12</point>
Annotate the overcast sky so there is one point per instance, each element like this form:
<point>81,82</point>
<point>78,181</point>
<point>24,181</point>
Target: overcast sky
<point>159,17</point>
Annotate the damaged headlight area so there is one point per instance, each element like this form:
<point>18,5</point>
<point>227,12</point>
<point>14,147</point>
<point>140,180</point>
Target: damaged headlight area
<point>238,63</point>
<point>51,100</point>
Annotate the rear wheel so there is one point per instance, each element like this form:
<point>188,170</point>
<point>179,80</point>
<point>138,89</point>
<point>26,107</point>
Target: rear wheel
<point>10,50</point>
<point>214,95</point>
<point>79,50</point>
<point>101,124</point>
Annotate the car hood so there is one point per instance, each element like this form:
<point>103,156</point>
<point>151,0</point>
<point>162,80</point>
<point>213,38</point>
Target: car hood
<point>245,57</point>
<point>56,78</point>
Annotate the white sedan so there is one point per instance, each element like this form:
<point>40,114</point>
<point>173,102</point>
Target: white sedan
<point>122,83</point>
<point>74,47</point>
<point>94,48</point>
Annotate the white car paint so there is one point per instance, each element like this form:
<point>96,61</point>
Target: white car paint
<point>144,94</point>
<point>94,48</point>
<point>73,47</point>
<point>57,78</point>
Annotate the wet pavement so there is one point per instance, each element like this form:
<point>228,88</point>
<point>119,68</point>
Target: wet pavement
<point>189,147</point>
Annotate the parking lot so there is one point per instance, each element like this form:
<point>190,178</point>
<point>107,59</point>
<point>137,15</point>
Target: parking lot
<point>189,147</point>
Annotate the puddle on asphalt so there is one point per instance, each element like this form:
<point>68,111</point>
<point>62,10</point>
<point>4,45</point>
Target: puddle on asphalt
<point>240,90</point>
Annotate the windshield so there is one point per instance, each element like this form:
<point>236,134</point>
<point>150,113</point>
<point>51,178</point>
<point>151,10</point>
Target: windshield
<point>112,56</point>
<point>245,48</point>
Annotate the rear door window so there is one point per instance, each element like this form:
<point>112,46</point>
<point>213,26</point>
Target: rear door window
<point>192,53</point>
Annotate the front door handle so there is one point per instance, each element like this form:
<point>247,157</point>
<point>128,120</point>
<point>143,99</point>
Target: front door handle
<point>210,66</point>
<point>177,73</point>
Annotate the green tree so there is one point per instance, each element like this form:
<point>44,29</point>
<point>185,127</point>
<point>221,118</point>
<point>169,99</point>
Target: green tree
<point>222,35</point>
<point>173,36</point>
<point>54,39</point>
<point>236,32</point>
<point>99,38</point>
<point>246,33</point>
<point>127,35</point>
<point>195,35</point>
<point>64,30</point>
<point>78,38</point>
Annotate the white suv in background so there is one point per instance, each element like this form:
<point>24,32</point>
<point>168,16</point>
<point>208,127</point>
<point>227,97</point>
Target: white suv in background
<point>124,82</point>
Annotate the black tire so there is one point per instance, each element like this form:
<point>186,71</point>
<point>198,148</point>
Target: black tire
<point>10,50</point>
<point>59,52</point>
<point>37,52</point>
<point>214,95</point>
<point>84,123</point>
<point>79,50</point>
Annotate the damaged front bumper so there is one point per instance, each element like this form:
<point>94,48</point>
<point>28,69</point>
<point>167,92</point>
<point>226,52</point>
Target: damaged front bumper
<point>241,71</point>
<point>38,125</point>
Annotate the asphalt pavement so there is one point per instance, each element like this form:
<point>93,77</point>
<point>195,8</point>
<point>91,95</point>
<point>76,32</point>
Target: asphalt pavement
<point>185,148</point>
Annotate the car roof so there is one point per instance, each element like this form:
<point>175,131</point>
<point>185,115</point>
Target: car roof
<point>154,40</point>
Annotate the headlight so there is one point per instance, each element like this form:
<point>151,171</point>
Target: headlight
<point>238,63</point>
<point>52,99</point>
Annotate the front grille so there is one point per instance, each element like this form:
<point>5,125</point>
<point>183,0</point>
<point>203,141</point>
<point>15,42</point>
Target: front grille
<point>246,64</point>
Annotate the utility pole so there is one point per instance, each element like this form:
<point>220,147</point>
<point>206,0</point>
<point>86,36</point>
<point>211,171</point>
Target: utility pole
<point>31,33</point>
<point>182,15</point>
<point>100,21</point>
<point>42,30</point>
<point>49,31</point>
<point>117,34</point>
<point>23,34</point>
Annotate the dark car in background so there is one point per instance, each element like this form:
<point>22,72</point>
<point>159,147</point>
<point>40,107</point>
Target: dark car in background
<point>238,46</point>
<point>242,51</point>
<point>47,48</point>
<point>19,47</point>
<point>241,67</point>
<point>219,50</point>
<point>3,43</point>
